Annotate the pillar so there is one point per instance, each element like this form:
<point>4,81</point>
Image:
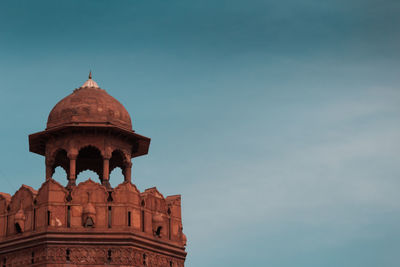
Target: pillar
<point>49,171</point>
<point>106,172</point>
<point>128,172</point>
<point>72,171</point>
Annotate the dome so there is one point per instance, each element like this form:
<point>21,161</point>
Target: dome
<point>89,104</point>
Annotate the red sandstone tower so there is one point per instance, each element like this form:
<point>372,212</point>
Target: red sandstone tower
<point>90,224</point>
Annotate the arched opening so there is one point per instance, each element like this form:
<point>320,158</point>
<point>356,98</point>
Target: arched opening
<point>109,216</point>
<point>89,222</point>
<point>67,254</point>
<point>109,255</point>
<point>158,231</point>
<point>142,204</point>
<point>144,259</point>
<point>68,216</point>
<point>116,177</point>
<point>85,175</point>
<point>118,161</point>
<point>89,158</point>
<point>60,175</point>
<point>48,217</point>
<point>18,228</point>
<point>60,168</point>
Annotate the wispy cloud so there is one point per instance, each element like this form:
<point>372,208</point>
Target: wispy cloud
<point>343,180</point>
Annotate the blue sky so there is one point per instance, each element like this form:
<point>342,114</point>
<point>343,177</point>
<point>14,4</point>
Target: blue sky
<point>277,121</point>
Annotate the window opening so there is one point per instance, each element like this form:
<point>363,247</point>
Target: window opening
<point>158,231</point>
<point>116,168</point>
<point>142,220</point>
<point>110,198</point>
<point>69,216</point>
<point>144,259</point>
<point>48,217</point>
<point>129,218</point>
<point>18,228</point>
<point>109,256</point>
<point>169,228</point>
<point>89,222</point>
<point>67,254</point>
<point>34,219</point>
<point>109,216</point>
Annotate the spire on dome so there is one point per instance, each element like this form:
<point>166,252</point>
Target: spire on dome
<point>90,82</point>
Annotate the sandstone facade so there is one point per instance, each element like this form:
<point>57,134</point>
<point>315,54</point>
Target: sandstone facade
<point>90,224</point>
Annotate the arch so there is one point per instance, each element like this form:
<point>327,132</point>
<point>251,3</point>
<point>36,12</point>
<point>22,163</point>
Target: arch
<point>90,158</point>
<point>89,223</point>
<point>59,174</point>
<point>158,231</point>
<point>18,228</point>
<point>119,159</point>
<point>87,174</point>
<point>116,177</point>
<point>60,159</point>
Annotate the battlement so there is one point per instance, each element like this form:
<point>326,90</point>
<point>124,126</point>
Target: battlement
<point>90,207</point>
<point>91,213</point>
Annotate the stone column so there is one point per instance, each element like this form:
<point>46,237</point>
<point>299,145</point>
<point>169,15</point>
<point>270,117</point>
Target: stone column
<point>49,169</point>
<point>128,172</point>
<point>106,172</point>
<point>72,171</point>
<point>49,172</point>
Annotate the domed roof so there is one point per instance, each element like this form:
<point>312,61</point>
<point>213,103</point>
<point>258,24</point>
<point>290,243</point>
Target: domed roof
<point>89,104</point>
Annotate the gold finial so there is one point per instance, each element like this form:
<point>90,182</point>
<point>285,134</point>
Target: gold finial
<point>90,83</point>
